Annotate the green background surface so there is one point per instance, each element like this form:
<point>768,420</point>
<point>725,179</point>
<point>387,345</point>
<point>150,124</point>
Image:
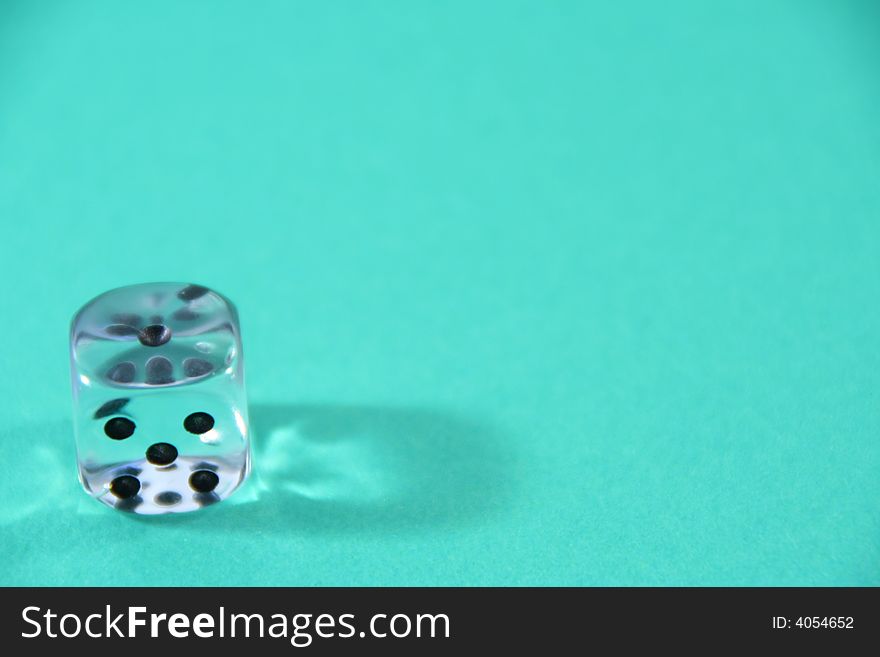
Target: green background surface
<point>531,292</point>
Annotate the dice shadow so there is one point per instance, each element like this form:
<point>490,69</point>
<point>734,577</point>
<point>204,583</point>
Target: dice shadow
<point>318,468</point>
<point>344,469</point>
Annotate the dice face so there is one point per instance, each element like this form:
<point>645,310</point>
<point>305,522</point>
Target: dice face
<point>160,411</point>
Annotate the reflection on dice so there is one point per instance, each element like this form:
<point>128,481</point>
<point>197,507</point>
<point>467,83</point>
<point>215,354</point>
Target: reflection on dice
<point>159,399</point>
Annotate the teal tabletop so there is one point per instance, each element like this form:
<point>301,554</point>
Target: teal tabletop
<point>531,293</point>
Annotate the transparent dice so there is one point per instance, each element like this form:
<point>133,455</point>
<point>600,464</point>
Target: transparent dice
<point>160,411</point>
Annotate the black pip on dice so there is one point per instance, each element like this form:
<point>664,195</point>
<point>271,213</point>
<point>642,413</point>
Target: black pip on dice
<point>159,400</point>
